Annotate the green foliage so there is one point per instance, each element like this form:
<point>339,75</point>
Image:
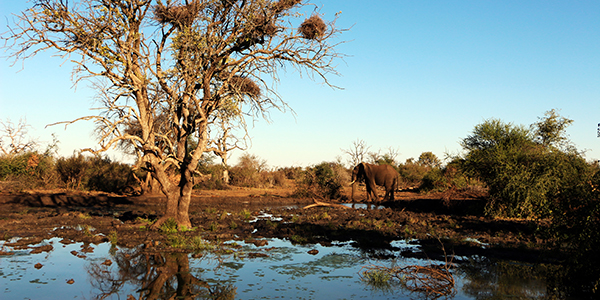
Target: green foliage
<point>247,172</point>
<point>446,178</point>
<point>94,173</point>
<point>412,173</point>
<point>215,179</point>
<point>576,227</point>
<point>108,176</point>
<point>323,180</point>
<point>377,278</point>
<point>28,170</point>
<point>520,168</point>
<point>169,226</point>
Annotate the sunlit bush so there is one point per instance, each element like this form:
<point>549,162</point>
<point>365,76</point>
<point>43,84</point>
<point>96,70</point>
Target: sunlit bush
<point>28,170</point>
<point>520,168</point>
<point>324,180</point>
<point>576,228</point>
<point>247,172</point>
<point>94,173</point>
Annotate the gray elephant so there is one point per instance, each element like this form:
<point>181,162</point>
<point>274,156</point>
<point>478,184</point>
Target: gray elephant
<point>382,175</point>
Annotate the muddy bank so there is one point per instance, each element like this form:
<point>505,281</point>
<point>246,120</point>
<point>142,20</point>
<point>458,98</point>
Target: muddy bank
<point>254,214</point>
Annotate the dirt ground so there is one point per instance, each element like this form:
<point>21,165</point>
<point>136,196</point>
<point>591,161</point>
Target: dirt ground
<point>250,214</point>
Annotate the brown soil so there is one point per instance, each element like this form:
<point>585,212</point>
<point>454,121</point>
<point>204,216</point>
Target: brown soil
<point>231,214</point>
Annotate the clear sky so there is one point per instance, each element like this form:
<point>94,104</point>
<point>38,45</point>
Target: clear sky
<point>418,77</point>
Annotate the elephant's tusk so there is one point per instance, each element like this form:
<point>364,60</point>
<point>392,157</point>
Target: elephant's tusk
<point>353,181</point>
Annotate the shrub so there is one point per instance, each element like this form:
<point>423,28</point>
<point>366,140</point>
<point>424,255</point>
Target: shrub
<point>72,170</point>
<point>519,171</point>
<point>94,173</point>
<point>28,170</point>
<point>576,227</point>
<point>108,176</point>
<point>323,180</point>
<point>247,172</point>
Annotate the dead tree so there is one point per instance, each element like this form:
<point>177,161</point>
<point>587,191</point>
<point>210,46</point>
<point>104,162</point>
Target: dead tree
<point>195,53</point>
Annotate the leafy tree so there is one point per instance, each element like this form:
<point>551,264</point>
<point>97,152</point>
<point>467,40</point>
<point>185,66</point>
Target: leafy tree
<point>520,166</point>
<point>550,131</point>
<point>171,66</point>
<point>429,159</point>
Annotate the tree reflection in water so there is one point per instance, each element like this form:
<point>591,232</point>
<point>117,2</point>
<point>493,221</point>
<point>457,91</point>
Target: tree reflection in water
<point>158,276</point>
<point>488,279</point>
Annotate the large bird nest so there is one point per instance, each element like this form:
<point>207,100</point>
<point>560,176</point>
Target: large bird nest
<point>179,16</point>
<point>283,5</point>
<point>312,28</point>
<point>245,85</point>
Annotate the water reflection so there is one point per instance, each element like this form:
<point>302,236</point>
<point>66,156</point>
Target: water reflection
<point>495,279</point>
<point>159,276</point>
<point>277,270</point>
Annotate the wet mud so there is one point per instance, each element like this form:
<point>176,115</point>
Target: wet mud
<point>247,214</point>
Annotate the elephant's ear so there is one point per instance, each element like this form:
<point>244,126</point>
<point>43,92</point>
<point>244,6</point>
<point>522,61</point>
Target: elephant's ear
<point>367,171</point>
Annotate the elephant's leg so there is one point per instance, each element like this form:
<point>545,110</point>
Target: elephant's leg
<point>371,194</point>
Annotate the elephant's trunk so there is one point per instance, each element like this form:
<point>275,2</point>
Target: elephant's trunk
<point>353,190</point>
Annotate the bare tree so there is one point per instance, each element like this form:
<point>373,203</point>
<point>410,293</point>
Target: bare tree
<point>181,60</point>
<point>14,138</point>
<point>222,137</point>
<point>357,152</point>
<point>388,158</point>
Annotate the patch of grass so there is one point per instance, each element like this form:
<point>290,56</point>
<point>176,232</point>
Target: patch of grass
<point>113,238</point>
<point>245,214</point>
<point>223,215</point>
<point>377,279</point>
<point>233,225</point>
<point>211,210</point>
<point>169,226</point>
<point>272,224</point>
<point>213,226</point>
<point>198,244</point>
<point>84,216</point>
<point>177,241</point>
<point>298,239</point>
<point>146,222</point>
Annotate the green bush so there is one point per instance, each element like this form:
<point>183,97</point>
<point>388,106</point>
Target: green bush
<point>520,171</point>
<point>247,172</point>
<point>94,173</point>
<point>108,176</point>
<point>28,170</point>
<point>576,228</point>
<point>72,170</point>
<point>324,180</point>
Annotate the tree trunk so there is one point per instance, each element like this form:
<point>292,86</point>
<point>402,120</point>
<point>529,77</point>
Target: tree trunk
<point>226,176</point>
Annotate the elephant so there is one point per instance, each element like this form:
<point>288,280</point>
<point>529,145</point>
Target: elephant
<point>382,175</point>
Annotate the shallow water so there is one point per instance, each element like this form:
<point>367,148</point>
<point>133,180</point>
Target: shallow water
<point>278,270</point>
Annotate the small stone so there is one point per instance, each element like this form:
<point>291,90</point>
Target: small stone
<point>313,252</point>
<point>38,266</point>
<point>70,281</point>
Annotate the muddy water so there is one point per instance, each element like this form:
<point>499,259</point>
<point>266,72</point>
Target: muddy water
<point>275,270</point>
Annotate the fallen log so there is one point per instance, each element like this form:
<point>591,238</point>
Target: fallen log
<point>319,203</point>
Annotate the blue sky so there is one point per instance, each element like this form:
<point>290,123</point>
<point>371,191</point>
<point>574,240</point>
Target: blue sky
<point>418,77</point>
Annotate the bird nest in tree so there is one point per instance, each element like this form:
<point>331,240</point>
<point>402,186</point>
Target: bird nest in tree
<point>283,5</point>
<point>179,16</point>
<point>245,85</point>
<point>264,26</point>
<point>312,28</point>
